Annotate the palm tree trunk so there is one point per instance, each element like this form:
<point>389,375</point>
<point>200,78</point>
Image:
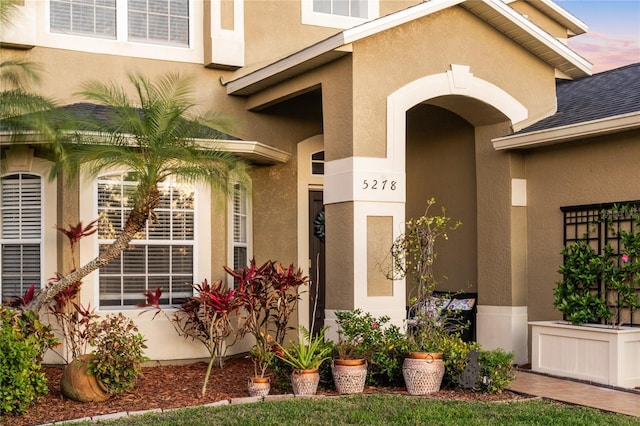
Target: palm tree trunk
<point>136,221</point>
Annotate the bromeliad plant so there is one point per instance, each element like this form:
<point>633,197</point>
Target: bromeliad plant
<point>308,353</point>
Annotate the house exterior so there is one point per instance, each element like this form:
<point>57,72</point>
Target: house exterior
<point>365,109</point>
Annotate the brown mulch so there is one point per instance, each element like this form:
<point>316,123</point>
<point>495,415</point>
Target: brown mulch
<point>176,386</point>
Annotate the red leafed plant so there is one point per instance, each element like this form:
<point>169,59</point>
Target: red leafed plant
<point>207,317</point>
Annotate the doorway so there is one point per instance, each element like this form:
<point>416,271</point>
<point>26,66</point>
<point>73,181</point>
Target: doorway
<point>316,261</point>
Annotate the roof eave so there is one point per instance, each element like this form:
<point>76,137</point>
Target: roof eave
<point>537,41</point>
<point>568,133</point>
<point>252,151</point>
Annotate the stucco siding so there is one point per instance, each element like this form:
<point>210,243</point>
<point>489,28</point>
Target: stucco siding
<point>598,170</point>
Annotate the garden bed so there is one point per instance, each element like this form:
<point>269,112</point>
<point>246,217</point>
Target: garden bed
<point>179,386</point>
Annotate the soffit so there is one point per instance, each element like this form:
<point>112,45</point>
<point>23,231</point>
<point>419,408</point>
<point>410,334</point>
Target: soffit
<point>495,12</point>
<point>574,25</point>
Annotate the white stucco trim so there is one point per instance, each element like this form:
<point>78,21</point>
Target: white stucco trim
<point>227,45</point>
<point>344,178</point>
<point>518,192</point>
<point>306,181</point>
<point>504,327</point>
<point>394,305</point>
<point>569,132</point>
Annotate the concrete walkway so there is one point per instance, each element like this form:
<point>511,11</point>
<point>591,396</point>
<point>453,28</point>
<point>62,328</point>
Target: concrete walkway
<point>577,393</point>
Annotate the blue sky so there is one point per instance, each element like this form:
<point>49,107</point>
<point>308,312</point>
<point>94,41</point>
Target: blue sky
<point>613,38</point>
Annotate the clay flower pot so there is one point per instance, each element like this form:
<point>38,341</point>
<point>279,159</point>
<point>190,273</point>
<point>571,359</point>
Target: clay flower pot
<point>305,382</point>
<point>423,372</point>
<point>258,386</point>
<point>349,375</point>
<point>81,386</point>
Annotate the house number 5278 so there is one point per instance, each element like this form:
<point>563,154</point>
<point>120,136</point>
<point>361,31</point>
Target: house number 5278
<point>379,185</point>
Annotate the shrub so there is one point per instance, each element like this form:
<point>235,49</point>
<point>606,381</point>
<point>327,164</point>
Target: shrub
<point>497,370</point>
<point>456,356</point>
<point>23,341</point>
<point>117,359</point>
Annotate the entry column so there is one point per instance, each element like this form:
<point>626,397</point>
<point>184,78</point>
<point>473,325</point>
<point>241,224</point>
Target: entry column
<point>365,211</point>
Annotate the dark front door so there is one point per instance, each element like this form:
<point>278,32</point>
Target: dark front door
<point>316,254</point>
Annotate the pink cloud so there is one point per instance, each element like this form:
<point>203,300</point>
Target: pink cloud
<point>605,51</point>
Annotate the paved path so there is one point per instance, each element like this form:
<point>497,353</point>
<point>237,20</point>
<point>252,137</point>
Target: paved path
<point>577,393</point>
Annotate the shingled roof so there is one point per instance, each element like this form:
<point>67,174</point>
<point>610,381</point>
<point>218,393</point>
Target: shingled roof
<point>603,95</point>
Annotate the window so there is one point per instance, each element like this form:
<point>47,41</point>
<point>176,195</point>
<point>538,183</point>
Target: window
<point>160,256</point>
<point>339,13</point>
<point>163,22</point>
<point>353,8</point>
<point>240,228</point>
<point>21,245</point>
<point>317,163</point>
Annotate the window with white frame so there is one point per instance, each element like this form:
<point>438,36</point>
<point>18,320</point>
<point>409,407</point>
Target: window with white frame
<point>163,22</point>
<point>339,13</point>
<point>352,8</point>
<point>21,239</point>
<point>241,228</point>
<point>162,255</point>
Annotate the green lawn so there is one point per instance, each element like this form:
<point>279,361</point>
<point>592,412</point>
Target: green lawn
<point>383,410</point>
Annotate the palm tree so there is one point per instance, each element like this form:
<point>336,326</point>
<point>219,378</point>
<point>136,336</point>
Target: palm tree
<point>154,138</point>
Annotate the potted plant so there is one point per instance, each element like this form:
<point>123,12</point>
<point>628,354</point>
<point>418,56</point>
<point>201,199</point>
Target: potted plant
<point>262,356</point>
<point>359,336</point>
<point>112,367</point>
<point>306,356</point>
<point>413,255</point>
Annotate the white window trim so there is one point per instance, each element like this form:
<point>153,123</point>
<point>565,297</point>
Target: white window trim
<point>24,162</point>
<point>89,247</point>
<point>193,53</point>
<point>231,244</point>
<point>309,17</point>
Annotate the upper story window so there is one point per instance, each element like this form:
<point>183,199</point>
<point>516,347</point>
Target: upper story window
<point>21,235</point>
<point>339,13</point>
<point>162,255</point>
<point>353,8</point>
<point>163,22</point>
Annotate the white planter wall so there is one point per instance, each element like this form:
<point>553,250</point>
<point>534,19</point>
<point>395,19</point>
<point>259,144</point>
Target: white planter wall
<point>597,354</point>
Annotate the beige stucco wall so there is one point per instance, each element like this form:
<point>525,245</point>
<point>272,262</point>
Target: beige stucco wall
<point>598,170</point>
<point>384,62</point>
<point>274,29</point>
<point>537,17</point>
<point>441,164</point>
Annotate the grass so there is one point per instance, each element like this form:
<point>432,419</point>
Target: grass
<point>379,409</point>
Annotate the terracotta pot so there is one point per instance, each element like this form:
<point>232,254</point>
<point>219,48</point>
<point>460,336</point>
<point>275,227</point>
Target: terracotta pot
<point>349,377</point>
<point>423,376</point>
<point>258,386</point>
<point>305,382</point>
<point>349,362</point>
<point>425,355</point>
<point>81,386</point>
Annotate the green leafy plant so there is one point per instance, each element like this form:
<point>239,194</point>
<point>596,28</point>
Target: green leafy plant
<point>359,334</point>
<point>262,355</point>
<point>497,369</point>
<point>413,255</point>
<point>118,355</point>
<point>456,356</point>
<point>308,353</point>
<point>23,342</point>
<point>596,288</point>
